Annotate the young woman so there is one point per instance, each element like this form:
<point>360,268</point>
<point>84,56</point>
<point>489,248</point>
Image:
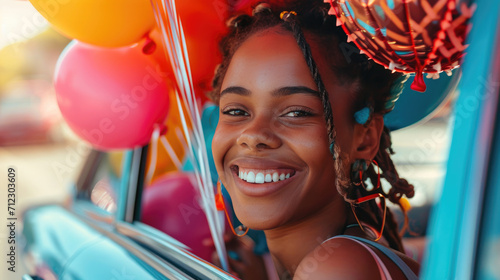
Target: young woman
<point>301,127</point>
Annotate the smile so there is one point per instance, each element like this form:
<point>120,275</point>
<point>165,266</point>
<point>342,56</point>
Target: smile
<point>259,176</point>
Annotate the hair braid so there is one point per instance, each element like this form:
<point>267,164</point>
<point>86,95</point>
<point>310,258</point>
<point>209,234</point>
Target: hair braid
<point>325,100</point>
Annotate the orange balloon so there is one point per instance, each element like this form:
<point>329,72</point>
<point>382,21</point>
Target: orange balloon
<point>174,136</point>
<point>105,23</point>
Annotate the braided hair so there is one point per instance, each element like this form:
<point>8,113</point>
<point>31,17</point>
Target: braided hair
<point>374,88</point>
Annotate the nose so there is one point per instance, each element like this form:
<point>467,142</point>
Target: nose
<point>259,135</point>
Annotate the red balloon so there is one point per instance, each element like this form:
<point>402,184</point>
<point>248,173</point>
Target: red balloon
<point>204,25</point>
<point>171,204</point>
<point>246,6</point>
<point>407,36</point>
<point>111,97</point>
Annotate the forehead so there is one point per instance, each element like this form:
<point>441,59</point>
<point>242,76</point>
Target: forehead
<point>272,58</point>
<point>268,58</point>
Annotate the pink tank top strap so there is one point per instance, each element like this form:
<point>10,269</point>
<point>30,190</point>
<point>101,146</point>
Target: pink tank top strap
<point>384,272</point>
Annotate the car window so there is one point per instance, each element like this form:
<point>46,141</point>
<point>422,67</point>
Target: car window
<point>104,179</point>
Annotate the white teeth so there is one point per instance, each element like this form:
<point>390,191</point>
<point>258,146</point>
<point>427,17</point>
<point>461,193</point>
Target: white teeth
<point>250,177</point>
<point>268,178</point>
<point>275,177</point>
<point>259,178</point>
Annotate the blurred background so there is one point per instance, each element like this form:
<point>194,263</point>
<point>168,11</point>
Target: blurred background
<point>33,137</point>
<point>47,155</point>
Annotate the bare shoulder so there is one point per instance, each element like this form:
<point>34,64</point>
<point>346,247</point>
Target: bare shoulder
<point>338,258</point>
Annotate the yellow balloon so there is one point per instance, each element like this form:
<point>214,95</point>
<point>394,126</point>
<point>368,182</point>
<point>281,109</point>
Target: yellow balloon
<point>105,23</point>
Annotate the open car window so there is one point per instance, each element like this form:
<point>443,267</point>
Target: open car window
<point>101,180</point>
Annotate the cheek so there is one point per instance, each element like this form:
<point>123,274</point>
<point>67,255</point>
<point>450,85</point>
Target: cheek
<point>344,127</point>
<point>221,143</point>
<point>311,146</point>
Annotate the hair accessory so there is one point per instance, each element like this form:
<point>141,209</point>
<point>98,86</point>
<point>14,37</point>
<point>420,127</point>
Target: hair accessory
<point>238,21</point>
<point>358,172</point>
<point>241,230</point>
<point>405,204</point>
<point>262,7</point>
<point>362,116</point>
<point>286,14</point>
<point>332,150</point>
<point>380,203</point>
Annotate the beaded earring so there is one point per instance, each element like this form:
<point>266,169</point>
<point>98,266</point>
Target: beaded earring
<point>358,176</point>
<point>241,230</point>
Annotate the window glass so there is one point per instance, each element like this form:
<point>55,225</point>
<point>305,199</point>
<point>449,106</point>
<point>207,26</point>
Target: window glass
<point>105,184</point>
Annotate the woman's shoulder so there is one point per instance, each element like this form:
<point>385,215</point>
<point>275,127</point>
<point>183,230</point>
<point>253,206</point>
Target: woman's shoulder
<point>338,258</point>
<point>345,258</point>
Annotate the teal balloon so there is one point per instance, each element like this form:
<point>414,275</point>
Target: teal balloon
<point>413,107</point>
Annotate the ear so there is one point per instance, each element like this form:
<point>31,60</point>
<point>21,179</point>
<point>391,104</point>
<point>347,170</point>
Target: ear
<point>367,138</point>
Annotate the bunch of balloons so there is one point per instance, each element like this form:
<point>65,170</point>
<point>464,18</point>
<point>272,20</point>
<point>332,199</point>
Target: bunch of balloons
<point>114,83</point>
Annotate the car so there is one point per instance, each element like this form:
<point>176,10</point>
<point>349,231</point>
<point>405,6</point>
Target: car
<point>464,227</point>
<point>100,234</point>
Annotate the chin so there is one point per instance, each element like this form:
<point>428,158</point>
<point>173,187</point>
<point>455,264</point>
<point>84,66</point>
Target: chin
<point>261,216</point>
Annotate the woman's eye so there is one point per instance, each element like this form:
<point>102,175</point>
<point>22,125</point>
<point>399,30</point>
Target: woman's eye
<point>298,114</point>
<point>235,112</point>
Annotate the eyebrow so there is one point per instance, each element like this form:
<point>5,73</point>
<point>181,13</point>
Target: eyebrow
<point>284,91</point>
<point>235,90</point>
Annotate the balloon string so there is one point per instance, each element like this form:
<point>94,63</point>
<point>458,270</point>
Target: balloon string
<point>175,43</point>
<point>171,153</point>
<point>154,154</point>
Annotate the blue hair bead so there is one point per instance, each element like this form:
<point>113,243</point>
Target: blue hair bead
<point>332,150</point>
<point>362,115</point>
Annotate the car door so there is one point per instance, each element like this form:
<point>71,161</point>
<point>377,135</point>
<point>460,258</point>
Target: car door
<point>97,235</point>
<point>464,225</point>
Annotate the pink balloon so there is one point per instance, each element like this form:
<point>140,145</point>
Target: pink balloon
<point>111,97</point>
<point>171,204</point>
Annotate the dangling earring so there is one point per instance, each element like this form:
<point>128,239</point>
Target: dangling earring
<point>358,176</point>
<point>241,230</point>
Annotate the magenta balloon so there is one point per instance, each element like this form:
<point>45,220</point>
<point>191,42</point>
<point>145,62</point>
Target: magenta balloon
<point>171,204</point>
<point>110,97</point>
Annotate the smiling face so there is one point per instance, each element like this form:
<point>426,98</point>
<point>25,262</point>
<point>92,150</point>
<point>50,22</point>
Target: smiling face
<point>270,148</point>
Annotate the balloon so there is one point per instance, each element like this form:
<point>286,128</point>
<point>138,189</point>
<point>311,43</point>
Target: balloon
<point>171,205</point>
<point>203,24</point>
<point>407,36</point>
<point>246,6</point>
<point>109,23</point>
<point>412,107</point>
<point>111,98</point>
